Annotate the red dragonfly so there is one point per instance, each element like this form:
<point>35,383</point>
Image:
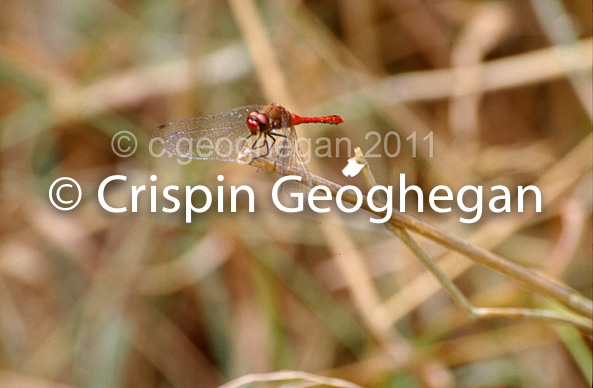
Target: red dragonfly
<point>255,131</point>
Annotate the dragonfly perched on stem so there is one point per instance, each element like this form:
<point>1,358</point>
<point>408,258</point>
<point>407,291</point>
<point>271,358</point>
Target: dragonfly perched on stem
<point>242,135</point>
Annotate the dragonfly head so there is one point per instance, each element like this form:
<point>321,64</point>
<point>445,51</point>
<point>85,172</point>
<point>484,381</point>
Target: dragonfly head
<point>257,122</point>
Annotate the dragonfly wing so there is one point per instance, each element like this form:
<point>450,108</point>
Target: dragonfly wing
<point>297,160</point>
<point>215,137</point>
<point>289,155</point>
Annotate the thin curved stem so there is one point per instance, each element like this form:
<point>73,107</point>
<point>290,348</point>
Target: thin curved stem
<point>528,278</point>
<point>475,313</point>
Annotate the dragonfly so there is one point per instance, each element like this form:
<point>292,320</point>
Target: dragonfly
<point>242,135</point>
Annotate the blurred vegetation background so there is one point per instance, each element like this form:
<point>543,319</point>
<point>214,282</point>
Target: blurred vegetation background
<point>89,298</point>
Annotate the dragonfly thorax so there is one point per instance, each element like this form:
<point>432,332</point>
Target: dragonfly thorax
<point>272,117</point>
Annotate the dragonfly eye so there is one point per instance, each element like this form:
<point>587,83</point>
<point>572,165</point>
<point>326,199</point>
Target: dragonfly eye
<point>257,121</point>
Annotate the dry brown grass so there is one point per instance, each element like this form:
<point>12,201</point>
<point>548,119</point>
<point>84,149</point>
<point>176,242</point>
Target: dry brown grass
<point>89,298</point>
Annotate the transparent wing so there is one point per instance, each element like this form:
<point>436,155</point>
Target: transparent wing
<point>289,155</point>
<point>215,137</point>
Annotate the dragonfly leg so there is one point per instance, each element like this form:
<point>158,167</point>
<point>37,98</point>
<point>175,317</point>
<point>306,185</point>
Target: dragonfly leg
<point>255,141</point>
<point>270,146</point>
<point>273,136</point>
<point>244,142</point>
<point>274,142</point>
<point>265,144</point>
